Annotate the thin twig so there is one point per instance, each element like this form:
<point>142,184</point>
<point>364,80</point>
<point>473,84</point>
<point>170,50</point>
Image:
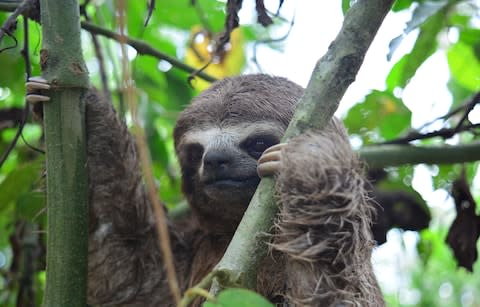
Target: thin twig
<point>151,8</point>
<point>269,41</point>
<point>262,16</point>
<point>201,16</point>
<point>13,143</point>
<point>26,55</point>
<point>98,52</point>
<point>140,46</point>
<point>453,112</point>
<point>204,284</point>
<point>9,6</point>
<point>28,70</point>
<point>9,25</point>
<point>468,107</point>
<point>115,69</point>
<point>444,133</point>
<point>159,212</point>
<point>144,48</point>
<point>26,51</point>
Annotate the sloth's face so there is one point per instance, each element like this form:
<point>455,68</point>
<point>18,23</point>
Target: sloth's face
<point>219,163</point>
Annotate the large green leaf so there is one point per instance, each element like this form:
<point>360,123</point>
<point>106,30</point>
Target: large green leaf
<point>425,46</point>
<point>31,206</point>
<point>380,114</point>
<point>400,5</point>
<point>239,298</point>
<point>464,66</point>
<point>470,36</point>
<point>18,182</point>
<point>182,14</point>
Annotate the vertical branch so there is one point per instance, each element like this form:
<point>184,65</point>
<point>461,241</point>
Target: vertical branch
<point>64,119</point>
<point>330,79</point>
<point>158,210</point>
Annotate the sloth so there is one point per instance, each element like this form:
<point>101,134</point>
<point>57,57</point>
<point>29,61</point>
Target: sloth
<point>226,140</point>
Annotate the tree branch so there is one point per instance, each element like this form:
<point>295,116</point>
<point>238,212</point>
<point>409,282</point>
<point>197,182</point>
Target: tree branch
<point>140,46</point>
<point>9,25</point>
<point>332,75</point>
<point>444,133</point>
<point>394,155</point>
<point>64,120</point>
<point>144,48</point>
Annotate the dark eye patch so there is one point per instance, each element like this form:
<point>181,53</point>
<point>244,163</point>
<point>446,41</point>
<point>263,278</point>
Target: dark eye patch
<point>255,145</point>
<point>193,152</point>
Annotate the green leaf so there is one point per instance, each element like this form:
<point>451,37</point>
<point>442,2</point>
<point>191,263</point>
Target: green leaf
<point>464,66</point>
<point>30,206</point>
<point>239,298</point>
<point>182,15</point>
<point>423,12</point>
<point>470,36</point>
<point>18,182</point>
<point>345,6</point>
<point>380,112</point>
<point>459,93</point>
<point>400,5</point>
<point>425,46</point>
<point>459,19</point>
<point>137,11</point>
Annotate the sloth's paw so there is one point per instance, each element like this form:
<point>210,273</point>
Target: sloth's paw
<point>36,88</point>
<point>270,161</point>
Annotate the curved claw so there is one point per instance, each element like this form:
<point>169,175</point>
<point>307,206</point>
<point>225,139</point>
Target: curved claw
<point>35,98</point>
<point>34,85</point>
<point>270,161</point>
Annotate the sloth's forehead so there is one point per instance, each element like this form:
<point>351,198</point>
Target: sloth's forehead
<point>231,133</point>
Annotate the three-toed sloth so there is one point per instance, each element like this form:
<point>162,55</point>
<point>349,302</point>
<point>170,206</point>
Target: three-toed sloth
<point>322,242</point>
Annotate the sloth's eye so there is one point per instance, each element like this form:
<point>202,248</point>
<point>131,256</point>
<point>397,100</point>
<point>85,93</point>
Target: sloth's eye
<point>255,146</point>
<point>194,152</point>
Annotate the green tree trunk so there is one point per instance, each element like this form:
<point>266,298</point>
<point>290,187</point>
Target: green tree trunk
<point>64,119</point>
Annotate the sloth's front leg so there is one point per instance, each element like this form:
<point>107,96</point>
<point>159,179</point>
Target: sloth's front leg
<point>124,262</point>
<point>323,227</point>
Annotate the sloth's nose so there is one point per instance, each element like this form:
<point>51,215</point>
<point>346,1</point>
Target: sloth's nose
<point>215,159</point>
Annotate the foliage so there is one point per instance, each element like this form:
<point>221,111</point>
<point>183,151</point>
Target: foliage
<point>238,298</point>
<point>163,91</point>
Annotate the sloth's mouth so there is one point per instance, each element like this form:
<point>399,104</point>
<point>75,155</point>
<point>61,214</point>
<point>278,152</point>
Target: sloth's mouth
<point>232,183</point>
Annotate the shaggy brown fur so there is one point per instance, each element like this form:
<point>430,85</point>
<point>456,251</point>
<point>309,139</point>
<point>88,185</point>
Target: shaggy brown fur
<point>321,250</point>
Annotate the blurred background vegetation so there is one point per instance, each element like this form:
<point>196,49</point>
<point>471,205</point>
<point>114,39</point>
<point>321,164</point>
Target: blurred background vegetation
<point>414,268</point>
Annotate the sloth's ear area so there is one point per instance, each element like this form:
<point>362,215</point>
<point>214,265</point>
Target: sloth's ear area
<point>270,161</point>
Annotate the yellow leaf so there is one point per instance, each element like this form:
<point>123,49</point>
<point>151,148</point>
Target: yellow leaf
<point>200,52</point>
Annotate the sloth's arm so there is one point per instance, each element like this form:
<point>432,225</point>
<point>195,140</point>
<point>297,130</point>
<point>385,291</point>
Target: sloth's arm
<point>120,224</point>
<point>124,262</point>
<point>324,224</point>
